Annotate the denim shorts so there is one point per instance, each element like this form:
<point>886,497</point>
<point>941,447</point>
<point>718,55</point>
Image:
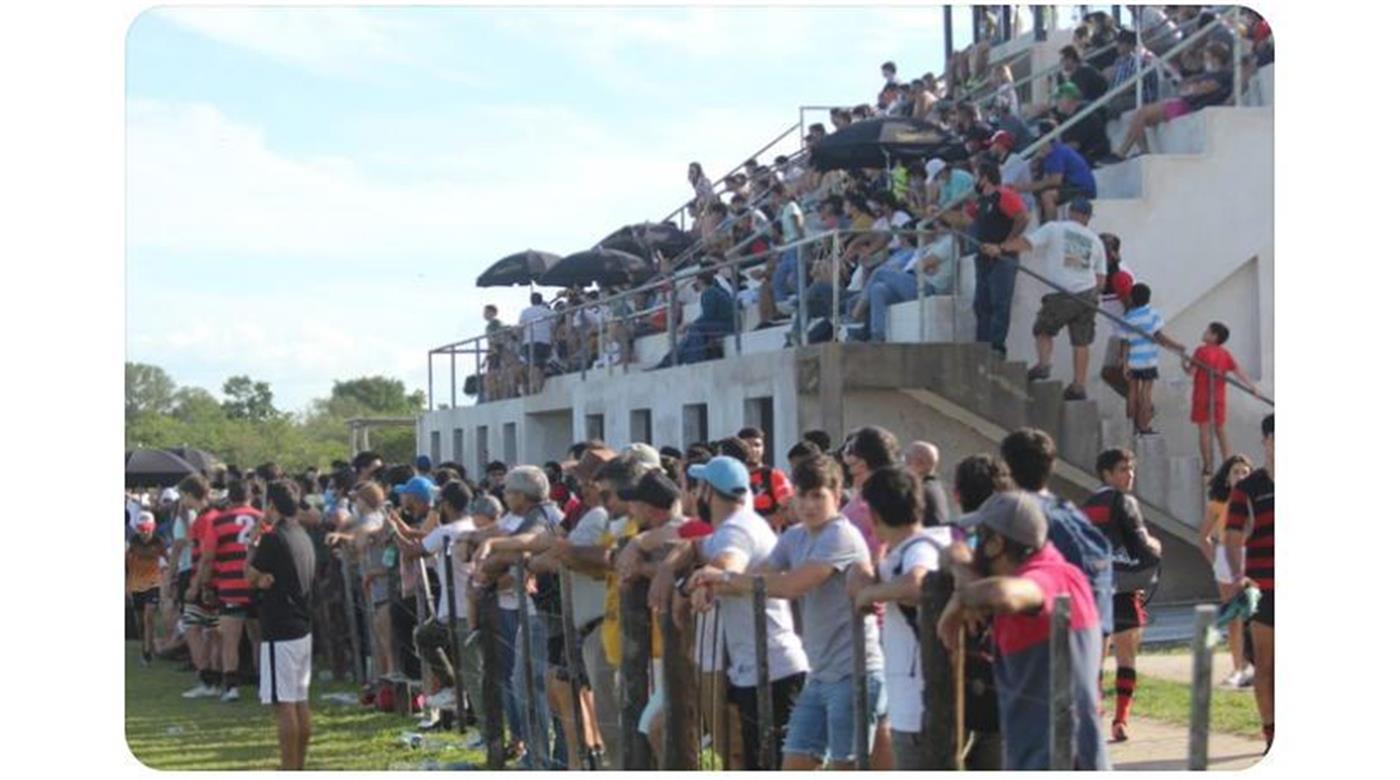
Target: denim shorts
<point>823,719</point>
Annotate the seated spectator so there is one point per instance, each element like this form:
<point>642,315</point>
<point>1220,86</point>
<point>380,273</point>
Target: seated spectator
<point>1001,117</point>
<point>890,72</point>
<point>1156,29</point>
<point>1073,69</point>
<point>1064,176</point>
<point>1102,33</point>
<point>922,94</point>
<point>862,112</point>
<point>948,185</point>
<point>840,118</point>
<point>1211,88</point>
<point>894,281</point>
<point>716,320</point>
<point>1086,134</point>
<point>1125,67</point>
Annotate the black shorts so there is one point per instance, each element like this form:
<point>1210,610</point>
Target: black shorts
<point>1129,611</point>
<point>1264,615</point>
<point>1067,192</point>
<point>746,699</point>
<point>241,611</point>
<point>141,598</point>
<point>1143,374</point>
<point>538,356</point>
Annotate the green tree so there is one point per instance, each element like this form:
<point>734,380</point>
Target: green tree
<point>148,389</point>
<point>374,395</point>
<point>195,404</point>
<point>248,400</point>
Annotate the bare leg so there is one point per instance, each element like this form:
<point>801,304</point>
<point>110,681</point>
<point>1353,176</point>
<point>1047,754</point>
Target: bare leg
<point>1207,450</point>
<point>882,755</point>
<point>1224,440</point>
<point>557,692</point>
<point>793,762</point>
<point>231,629</point>
<point>254,628</point>
<point>148,629</point>
<point>1081,366</point>
<point>1044,350</point>
<point>1236,638</point>
<point>304,735</point>
<point>288,734</point>
<point>1264,675</point>
<point>1145,405</point>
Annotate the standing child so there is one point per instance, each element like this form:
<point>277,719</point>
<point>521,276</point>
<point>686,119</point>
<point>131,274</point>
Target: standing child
<point>1208,367</point>
<point>145,554</point>
<point>1142,342</point>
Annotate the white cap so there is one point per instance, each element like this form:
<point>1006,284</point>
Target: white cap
<point>933,166</point>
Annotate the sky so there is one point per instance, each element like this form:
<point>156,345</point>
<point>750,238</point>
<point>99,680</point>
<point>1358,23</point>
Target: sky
<point>311,192</point>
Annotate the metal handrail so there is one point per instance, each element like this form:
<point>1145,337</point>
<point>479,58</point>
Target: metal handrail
<point>681,208</point>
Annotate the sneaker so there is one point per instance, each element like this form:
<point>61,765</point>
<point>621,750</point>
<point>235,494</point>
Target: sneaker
<point>430,720</point>
<point>1234,680</point>
<point>1120,732</point>
<point>1247,678</point>
<point>230,695</point>
<point>145,659</point>
<point>201,691</point>
<point>1075,393</point>
<point>1038,374</point>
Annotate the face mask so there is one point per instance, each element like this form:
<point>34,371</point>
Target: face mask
<point>702,507</point>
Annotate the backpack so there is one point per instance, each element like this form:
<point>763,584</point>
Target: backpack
<point>1086,547</point>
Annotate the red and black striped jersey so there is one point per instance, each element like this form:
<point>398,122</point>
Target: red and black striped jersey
<point>1251,511</point>
<point>770,488</point>
<point>227,535</point>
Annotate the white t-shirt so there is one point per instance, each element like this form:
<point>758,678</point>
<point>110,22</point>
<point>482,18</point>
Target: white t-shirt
<point>1016,171</point>
<point>589,593</point>
<point>439,542</point>
<point>505,597</point>
<point>904,674</point>
<point>1071,254</point>
<point>749,539</point>
<point>537,322</point>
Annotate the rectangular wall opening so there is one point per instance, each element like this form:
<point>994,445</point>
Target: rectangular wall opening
<point>593,427</point>
<point>695,424</point>
<point>758,413</point>
<point>435,448</point>
<point>641,425</point>
<point>483,448</point>
<point>508,444</point>
<point>456,445</point>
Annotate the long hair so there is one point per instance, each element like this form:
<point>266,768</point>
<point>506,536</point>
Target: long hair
<point>1220,483</point>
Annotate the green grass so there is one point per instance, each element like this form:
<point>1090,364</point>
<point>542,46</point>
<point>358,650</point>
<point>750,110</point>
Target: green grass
<point>165,731</point>
<point>1231,711</point>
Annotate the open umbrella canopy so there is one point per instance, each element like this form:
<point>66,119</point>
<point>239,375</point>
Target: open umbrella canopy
<point>156,468</point>
<point>644,238</point>
<point>519,268</point>
<point>201,460</point>
<point>874,143</point>
<point>604,267</point>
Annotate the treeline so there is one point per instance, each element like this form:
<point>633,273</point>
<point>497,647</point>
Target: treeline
<point>245,427</point>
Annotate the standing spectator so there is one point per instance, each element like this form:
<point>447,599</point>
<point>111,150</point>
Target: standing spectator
<point>282,565</point>
<point>1117,291</point>
<point>440,542</point>
<point>770,487</point>
<point>1143,338</point>
<point>537,323</point>
<point>1136,553</point>
<point>1075,261</point>
<point>1015,576</point>
<point>1249,551</point>
<point>867,449</point>
<point>1089,80</point>
<point>921,458</point>
<point>1208,366</point>
<point>890,72</point>
<point>999,216</point>
<point>1213,87</point>
<point>225,549</point>
<point>145,554</point>
<point>200,615</point>
<point>704,190</point>
<point>1064,176</point>
<point>1212,544</point>
<point>1016,170</point>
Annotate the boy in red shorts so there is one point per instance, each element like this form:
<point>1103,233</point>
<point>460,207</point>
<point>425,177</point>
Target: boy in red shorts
<point>1208,367</point>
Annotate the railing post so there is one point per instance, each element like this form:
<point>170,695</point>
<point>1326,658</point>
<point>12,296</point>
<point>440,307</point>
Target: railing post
<point>1061,693</point>
<point>454,377</point>
<point>481,394</point>
<point>942,689</point>
<point>430,380</point>
<point>948,43</point>
<point>860,699</point>
<point>1007,12</point>
<point>767,750</point>
<point>919,293</point>
<point>458,691</point>
<point>1137,70</point>
<point>1199,740</point>
<point>535,738</point>
<point>1038,14</point>
<point>1235,53</point>
<point>1117,11</point>
<point>347,576</point>
<point>679,671</point>
<point>488,627</point>
<point>836,284</point>
<point>572,665</point>
<point>738,312</point>
<point>802,253</point>
<point>671,314</point>
<point>976,23</point>
<point>635,672</point>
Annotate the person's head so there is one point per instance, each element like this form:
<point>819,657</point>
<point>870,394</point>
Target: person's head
<point>870,448</point>
<point>525,487</point>
<point>1010,527</point>
<point>1068,98</point>
<point>1030,455</point>
<point>976,478</point>
<point>803,450</point>
<point>1217,333</point>
<point>237,491</point>
<point>416,495</point>
<point>1069,59</point>
<point>1126,42</point>
<point>642,453</point>
<point>1231,471</point>
<point>536,299</point>
<point>888,70</point>
<point>1268,429</point>
<point>724,485</point>
<point>1217,56</point>
<point>366,463</point>
<point>754,438</point>
<point>369,498</point>
<point>146,526</point>
<point>695,172</point>
<point>485,510</point>
<point>194,492</point>
<point>1141,295</point>
<point>1117,468</point>
<point>653,499</point>
<point>988,176</point>
<point>496,473</point>
<point>454,497</point>
<point>820,438</point>
<point>1000,145</point>
<point>283,500</point>
<point>1112,247</point>
<point>736,448</point>
<point>705,280</point>
<point>922,458</point>
<point>615,477</point>
<point>895,499</point>
<point>1081,210</point>
<point>816,481</point>
<point>490,312</point>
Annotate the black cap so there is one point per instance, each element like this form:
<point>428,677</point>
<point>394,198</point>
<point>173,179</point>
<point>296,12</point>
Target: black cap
<point>654,489</point>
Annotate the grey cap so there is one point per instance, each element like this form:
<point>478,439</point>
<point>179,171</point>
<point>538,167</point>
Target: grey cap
<point>485,505</point>
<point>1014,514</point>
<point>642,453</point>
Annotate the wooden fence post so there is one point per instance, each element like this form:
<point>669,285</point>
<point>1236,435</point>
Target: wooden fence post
<point>942,688</point>
<point>1061,692</point>
<point>679,671</point>
<point>860,698</point>
<point>767,751</point>
<point>635,672</point>
<point>488,617</point>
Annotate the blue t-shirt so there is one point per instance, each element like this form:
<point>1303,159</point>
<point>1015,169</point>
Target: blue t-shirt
<point>1143,351</point>
<point>1064,160</point>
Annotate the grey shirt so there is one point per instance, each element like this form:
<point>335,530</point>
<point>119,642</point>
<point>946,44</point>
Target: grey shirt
<point>935,503</point>
<point>827,627</point>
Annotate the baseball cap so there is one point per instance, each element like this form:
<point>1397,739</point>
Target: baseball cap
<point>1082,206</point>
<point>1003,139</point>
<point>423,463</point>
<point>145,522</point>
<point>1014,514</point>
<point>642,453</point>
<point>1068,90</point>
<point>933,167</point>
<point>653,489</point>
<point>725,474</point>
<point>418,487</point>
<point>590,462</point>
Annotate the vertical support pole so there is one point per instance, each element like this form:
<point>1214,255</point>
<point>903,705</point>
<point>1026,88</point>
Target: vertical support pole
<point>836,285</point>
<point>919,293</point>
<point>454,377</point>
<point>1038,15</point>
<point>976,23</point>
<point>430,381</point>
<point>1117,11</point>
<point>635,672</point>
<point>458,681</point>
<point>572,665</point>
<point>671,314</point>
<point>481,394</point>
<point>1137,71</point>
<point>534,739</point>
<point>347,578</point>
<point>682,716</point>
<point>1007,12</point>
<point>941,687</point>
<point>948,41</point>
<point>1198,749</point>
<point>802,253</point>
<point>767,750</point>
<point>1061,694</point>
<point>738,311</point>
<point>860,699</point>
<point>488,626</point>
<point>1235,54</point>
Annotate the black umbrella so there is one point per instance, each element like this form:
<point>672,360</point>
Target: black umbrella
<point>156,468</point>
<point>874,143</point>
<point>605,267</point>
<point>642,239</point>
<point>519,268</point>
<point>200,459</point>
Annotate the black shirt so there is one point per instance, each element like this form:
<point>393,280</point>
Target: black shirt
<point>935,502</point>
<point>1088,134</point>
<point>287,554</point>
<point>1091,83</point>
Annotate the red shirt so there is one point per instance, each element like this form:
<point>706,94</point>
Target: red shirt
<point>694,528</point>
<point>1218,359</point>
<point>227,536</point>
<point>1049,570</point>
<point>771,489</point>
<point>1251,512</point>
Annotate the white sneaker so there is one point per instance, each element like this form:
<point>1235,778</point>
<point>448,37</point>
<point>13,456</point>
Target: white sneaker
<point>1247,678</point>
<point>230,695</point>
<point>1233,681</point>
<point>201,691</point>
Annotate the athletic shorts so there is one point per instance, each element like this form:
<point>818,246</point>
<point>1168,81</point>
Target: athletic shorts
<point>823,724</point>
<point>1058,310</point>
<point>1129,611</point>
<point>1143,374</point>
<point>1221,566</point>
<point>240,611</point>
<point>1176,107</point>
<point>1264,615</point>
<point>285,670</point>
<point>538,357</point>
<point>784,693</point>
<point>141,598</point>
<point>196,615</point>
